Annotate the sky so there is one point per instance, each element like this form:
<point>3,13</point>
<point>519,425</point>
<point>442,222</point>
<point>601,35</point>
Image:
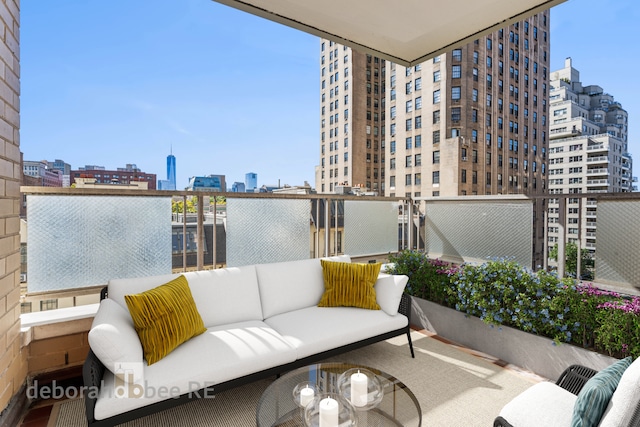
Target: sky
<point>118,82</point>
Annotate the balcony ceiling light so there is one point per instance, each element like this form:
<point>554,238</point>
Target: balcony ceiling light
<point>406,32</point>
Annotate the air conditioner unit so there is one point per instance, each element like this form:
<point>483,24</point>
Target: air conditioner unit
<point>464,158</point>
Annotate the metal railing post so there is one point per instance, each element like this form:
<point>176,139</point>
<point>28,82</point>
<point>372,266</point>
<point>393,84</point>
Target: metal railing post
<point>200,233</point>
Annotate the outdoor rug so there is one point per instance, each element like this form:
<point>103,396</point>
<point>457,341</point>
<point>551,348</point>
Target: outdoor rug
<point>454,388</point>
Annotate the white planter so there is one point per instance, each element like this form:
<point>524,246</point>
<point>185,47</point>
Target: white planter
<point>534,353</point>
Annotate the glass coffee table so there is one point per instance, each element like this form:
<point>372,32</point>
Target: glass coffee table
<point>277,407</point>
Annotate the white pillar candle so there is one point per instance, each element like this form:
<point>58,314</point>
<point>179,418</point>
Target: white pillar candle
<point>328,412</point>
<point>306,396</point>
<point>359,389</point>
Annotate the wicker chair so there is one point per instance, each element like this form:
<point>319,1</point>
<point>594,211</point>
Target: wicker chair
<point>554,406</point>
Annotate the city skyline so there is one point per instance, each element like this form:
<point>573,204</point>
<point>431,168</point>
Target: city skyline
<point>92,95</point>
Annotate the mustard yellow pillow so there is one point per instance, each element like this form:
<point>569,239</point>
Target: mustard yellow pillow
<point>164,317</point>
<point>349,284</point>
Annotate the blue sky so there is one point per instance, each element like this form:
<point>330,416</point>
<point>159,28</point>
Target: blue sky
<point>119,82</point>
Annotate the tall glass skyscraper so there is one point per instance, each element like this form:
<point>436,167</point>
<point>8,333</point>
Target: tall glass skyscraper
<point>171,171</point>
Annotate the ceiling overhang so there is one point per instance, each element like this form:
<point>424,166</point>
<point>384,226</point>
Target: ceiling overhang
<point>406,32</point>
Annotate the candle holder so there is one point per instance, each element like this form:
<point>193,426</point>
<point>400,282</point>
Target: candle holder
<point>360,402</point>
<point>304,393</point>
<point>315,414</point>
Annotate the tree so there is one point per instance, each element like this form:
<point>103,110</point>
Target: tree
<point>571,260</point>
<point>177,206</point>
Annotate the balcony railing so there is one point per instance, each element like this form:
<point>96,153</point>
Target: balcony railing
<point>78,239</point>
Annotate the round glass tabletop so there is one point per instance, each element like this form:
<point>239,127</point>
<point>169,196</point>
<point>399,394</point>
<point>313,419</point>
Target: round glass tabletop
<point>280,406</point>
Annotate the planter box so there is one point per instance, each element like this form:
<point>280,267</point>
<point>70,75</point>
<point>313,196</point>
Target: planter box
<point>534,353</point>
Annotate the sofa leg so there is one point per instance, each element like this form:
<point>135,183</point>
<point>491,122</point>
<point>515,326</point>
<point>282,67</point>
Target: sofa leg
<point>410,344</point>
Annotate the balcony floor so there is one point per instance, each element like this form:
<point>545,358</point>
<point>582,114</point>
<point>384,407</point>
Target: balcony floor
<point>40,413</point>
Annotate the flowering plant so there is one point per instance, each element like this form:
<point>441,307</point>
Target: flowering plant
<point>501,292</point>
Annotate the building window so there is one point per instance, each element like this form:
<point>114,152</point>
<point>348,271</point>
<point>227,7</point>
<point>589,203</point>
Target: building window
<point>436,136</point>
<point>457,54</point>
<point>408,124</point>
<point>418,120</point>
<point>456,71</point>
<point>436,76</point>
<point>407,143</point>
<point>418,83</point>
<point>418,159</point>
<point>436,157</point>
<point>436,96</point>
<point>455,114</point>
<point>418,141</point>
<point>418,179</point>
<point>418,103</point>
<point>436,117</point>
<point>407,161</point>
<point>436,177</point>
<point>455,93</point>
<point>407,179</point>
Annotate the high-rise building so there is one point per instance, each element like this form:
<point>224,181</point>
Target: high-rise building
<point>470,121</point>
<point>170,182</point>
<point>251,182</point>
<point>171,171</point>
<point>588,146</point>
<point>45,176</point>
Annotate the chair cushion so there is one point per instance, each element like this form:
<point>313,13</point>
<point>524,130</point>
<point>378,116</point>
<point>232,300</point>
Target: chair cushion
<point>594,397</point>
<point>544,404</point>
<point>389,289</point>
<point>113,338</point>
<point>164,318</point>
<point>349,285</point>
<point>624,400</point>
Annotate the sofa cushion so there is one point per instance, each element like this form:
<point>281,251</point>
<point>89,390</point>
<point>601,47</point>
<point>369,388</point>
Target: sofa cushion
<point>291,285</point>
<point>164,318</point>
<point>118,288</point>
<point>226,295</point>
<point>113,338</point>
<point>624,400</point>
<point>543,404</point>
<point>349,284</point>
<point>595,395</point>
<point>314,329</point>
<point>389,289</point>
<point>220,354</point>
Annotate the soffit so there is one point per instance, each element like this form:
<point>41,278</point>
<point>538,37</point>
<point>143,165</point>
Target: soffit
<point>406,32</point>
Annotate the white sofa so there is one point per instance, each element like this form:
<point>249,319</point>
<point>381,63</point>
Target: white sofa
<point>261,320</point>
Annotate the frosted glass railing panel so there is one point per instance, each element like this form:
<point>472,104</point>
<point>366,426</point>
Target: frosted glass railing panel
<point>370,227</point>
<point>261,231</point>
<point>618,243</point>
<point>474,231</point>
<point>80,241</point>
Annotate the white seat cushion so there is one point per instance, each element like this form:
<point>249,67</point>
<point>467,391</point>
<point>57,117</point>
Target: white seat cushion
<point>218,355</point>
<point>544,404</point>
<point>314,329</point>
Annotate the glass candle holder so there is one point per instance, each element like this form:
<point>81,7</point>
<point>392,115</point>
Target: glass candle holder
<point>304,393</point>
<point>330,410</point>
<point>361,387</point>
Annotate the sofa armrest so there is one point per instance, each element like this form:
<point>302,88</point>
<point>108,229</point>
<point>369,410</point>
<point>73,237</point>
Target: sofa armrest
<point>405,306</point>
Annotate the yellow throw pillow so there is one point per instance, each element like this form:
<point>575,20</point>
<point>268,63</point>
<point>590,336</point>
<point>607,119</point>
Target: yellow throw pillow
<point>164,318</point>
<point>349,284</point>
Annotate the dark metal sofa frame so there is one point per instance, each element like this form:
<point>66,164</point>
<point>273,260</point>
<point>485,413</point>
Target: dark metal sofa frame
<point>93,372</point>
<point>573,379</point>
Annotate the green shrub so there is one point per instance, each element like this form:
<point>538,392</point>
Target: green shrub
<point>501,292</point>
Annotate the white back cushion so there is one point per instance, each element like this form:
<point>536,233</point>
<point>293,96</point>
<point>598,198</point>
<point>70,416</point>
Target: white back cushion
<point>118,288</point>
<point>226,295</point>
<point>625,399</point>
<point>291,285</point>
